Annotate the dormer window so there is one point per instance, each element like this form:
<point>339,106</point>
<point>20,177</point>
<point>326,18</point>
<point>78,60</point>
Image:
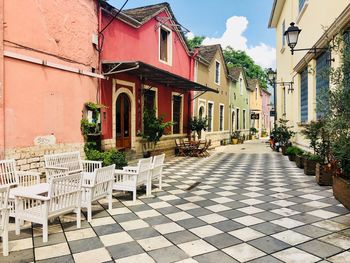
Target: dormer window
<point>165,45</point>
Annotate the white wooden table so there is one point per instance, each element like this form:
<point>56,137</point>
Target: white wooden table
<point>37,189</point>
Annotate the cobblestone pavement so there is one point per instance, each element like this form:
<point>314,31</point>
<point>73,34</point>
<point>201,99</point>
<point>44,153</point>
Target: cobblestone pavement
<point>246,208</point>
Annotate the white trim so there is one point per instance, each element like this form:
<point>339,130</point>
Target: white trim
<point>169,45</point>
<point>219,77</point>
<point>49,64</point>
<point>212,117</point>
<point>302,11</point>
<point>202,103</point>
<point>223,116</point>
<point>182,111</point>
<point>116,92</point>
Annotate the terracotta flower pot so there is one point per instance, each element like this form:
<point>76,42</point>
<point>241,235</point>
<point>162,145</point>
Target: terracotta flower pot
<point>299,161</point>
<point>309,167</point>
<point>234,141</point>
<point>341,190</point>
<point>324,175</point>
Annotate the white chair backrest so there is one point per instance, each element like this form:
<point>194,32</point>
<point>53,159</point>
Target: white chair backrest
<point>69,160</point>
<point>157,165</point>
<point>104,178</point>
<point>144,167</point>
<point>8,172</point>
<point>4,195</point>
<point>65,192</point>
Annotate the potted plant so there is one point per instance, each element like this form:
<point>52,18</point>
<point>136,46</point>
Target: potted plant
<point>292,151</point>
<point>252,132</point>
<point>235,136</point>
<point>153,130</point>
<point>283,134</point>
<point>197,125</point>
<point>299,159</point>
<point>241,139</point>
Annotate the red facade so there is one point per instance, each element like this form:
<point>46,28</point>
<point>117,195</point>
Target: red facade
<point>126,40</point>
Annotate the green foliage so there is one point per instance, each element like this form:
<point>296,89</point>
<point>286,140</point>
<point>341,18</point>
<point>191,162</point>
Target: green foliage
<point>238,58</point>
<point>198,124</point>
<point>293,150</point>
<point>88,127</point>
<point>253,131</point>
<point>313,157</point>
<point>236,135</point>
<point>282,132</point>
<point>107,157</point>
<point>195,42</point>
<point>153,127</point>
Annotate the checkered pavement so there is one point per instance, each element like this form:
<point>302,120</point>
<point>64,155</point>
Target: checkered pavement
<point>246,208</point>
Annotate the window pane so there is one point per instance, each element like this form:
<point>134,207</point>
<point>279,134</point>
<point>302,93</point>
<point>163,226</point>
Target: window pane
<point>301,4</point>
<point>304,96</point>
<point>217,72</point>
<point>176,114</point>
<point>210,116</point>
<point>244,119</point>
<point>221,117</point>
<point>164,44</point>
<point>322,79</point>
<point>237,118</point>
<point>149,99</point>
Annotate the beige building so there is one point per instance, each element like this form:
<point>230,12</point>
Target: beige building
<point>320,21</point>
<point>255,104</point>
<point>210,70</point>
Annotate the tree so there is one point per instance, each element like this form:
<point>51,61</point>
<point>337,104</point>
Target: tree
<point>195,42</point>
<point>238,58</point>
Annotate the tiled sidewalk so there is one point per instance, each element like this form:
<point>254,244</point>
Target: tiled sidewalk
<point>247,207</point>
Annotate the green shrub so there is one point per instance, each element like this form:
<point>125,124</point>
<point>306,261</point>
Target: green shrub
<point>293,150</point>
<point>313,157</point>
<point>107,157</point>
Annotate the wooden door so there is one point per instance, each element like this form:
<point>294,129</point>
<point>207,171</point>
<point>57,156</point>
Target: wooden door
<point>123,122</point>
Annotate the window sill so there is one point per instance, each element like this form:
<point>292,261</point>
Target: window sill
<point>165,62</point>
<point>302,11</point>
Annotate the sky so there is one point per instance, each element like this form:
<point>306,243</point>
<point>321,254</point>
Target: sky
<point>241,24</point>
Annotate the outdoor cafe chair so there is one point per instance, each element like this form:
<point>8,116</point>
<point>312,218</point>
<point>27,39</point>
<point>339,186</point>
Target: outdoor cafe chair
<point>156,171</point>
<point>4,218</point>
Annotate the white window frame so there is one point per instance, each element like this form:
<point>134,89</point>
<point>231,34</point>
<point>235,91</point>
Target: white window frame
<point>169,47</point>
<point>202,103</point>
<point>223,117</point>
<point>182,111</point>
<point>219,72</point>
<point>212,117</point>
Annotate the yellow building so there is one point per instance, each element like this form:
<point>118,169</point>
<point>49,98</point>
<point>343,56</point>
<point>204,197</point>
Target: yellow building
<point>320,21</point>
<point>255,104</point>
<point>210,70</point>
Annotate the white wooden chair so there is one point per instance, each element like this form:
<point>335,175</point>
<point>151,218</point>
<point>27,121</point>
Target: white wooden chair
<point>9,176</point>
<point>131,177</point>
<point>64,196</point>
<point>156,171</point>
<point>69,161</point>
<point>97,186</point>
<point>4,218</point>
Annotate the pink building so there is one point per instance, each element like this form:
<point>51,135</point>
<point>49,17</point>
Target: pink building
<point>148,65</point>
<point>48,70</point>
<point>266,120</point>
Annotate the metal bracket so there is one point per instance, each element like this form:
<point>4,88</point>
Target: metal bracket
<point>200,94</point>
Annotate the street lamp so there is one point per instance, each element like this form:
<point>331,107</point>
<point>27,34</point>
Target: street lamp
<point>292,36</point>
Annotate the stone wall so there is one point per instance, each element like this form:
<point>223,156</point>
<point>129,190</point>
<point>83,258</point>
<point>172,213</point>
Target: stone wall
<point>32,158</point>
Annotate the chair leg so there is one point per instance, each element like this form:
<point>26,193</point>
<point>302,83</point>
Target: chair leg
<point>79,216</point>
<point>134,195</point>
<point>18,225</point>
<point>5,243</point>
<point>45,231</point>
<point>110,202</point>
<point>160,182</point>
<point>89,213</point>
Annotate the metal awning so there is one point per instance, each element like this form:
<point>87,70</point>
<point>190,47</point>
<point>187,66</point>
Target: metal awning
<point>153,74</point>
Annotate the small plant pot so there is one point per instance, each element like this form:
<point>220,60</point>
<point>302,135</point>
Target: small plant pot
<point>299,161</point>
<point>324,176</point>
<point>341,190</point>
<point>234,141</point>
<point>309,167</point>
<point>291,157</point>
<point>284,150</point>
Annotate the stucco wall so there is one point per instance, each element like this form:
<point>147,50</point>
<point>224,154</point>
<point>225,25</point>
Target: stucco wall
<point>39,100</point>
<point>313,20</point>
<point>206,76</point>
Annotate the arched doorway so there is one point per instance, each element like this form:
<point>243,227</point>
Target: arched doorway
<point>123,121</point>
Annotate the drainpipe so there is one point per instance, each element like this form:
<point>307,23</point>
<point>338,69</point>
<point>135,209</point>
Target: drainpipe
<point>2,84</point>
<point>190,101</point>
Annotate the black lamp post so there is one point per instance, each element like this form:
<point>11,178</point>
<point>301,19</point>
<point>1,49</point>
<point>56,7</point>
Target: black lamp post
<point>292,36</point>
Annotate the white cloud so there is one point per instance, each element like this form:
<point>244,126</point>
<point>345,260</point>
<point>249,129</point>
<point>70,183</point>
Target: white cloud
<point>190,35</point>
<point>263,55</point>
